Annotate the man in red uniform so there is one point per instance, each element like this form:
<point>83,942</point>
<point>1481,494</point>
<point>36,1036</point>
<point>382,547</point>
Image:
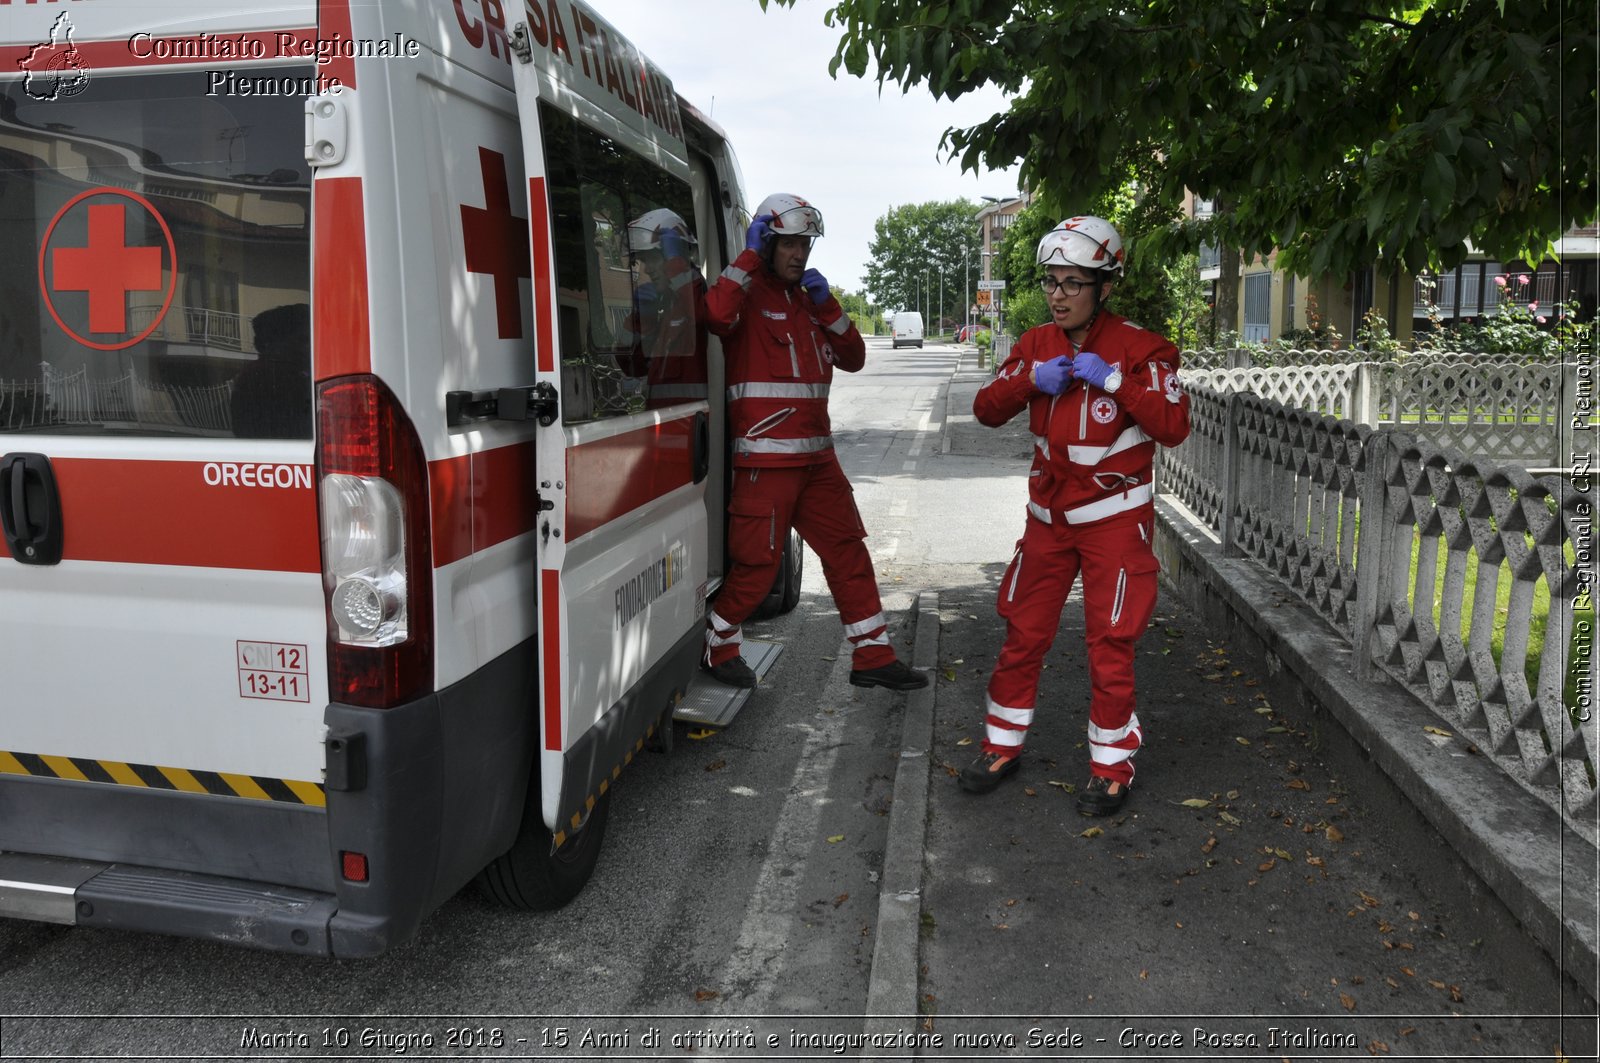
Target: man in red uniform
<point>665,336</point>
<point>783,334</point>
<point>1100,394</point>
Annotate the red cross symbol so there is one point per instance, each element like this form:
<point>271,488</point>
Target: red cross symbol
<point>107,269</point>
<point>497,243</point>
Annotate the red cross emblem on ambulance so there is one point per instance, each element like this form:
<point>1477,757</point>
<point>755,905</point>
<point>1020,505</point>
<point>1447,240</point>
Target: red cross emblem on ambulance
<point>97,258</point>
<point>496,242</point>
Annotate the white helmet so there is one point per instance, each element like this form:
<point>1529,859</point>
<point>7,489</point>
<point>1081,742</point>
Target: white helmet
<point>792,216</point>
<point>1084,241</point>
<point>644,232</point>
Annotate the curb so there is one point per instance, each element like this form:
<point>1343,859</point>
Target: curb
<point>892,985</point>
<point>967,370</point>
<point>1542,870</point>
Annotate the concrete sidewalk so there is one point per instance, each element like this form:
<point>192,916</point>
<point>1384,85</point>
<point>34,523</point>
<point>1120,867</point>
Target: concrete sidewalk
<point>1267,892</point>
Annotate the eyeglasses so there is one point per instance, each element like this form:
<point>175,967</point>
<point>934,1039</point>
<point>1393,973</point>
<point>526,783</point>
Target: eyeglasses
<point>1070,285</point>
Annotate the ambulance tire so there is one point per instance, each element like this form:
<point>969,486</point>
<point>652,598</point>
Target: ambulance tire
<point>664,737</point>
<point>785,593</point>
<point>794,567</point>
<point>532,877</point>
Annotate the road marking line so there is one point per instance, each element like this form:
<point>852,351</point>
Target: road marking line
<point>757,959</point>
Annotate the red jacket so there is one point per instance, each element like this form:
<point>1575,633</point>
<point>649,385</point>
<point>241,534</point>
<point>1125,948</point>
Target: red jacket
<point>666,340</point>
<point>781,349</point>
<point>1093,450</point>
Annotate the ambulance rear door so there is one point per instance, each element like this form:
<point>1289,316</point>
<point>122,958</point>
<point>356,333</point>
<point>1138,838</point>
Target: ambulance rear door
<point>162,633</point>
<point>623,448</point>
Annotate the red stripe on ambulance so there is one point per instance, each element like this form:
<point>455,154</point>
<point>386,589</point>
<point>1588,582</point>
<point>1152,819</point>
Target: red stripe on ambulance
<point>539,226</point>
<point>150,50</point>
<point>245,515</point>
<point>333,22</point>
<point>480,500</point>
<point>609,477</point>
<point>550,634</point>
<point>340,330</point>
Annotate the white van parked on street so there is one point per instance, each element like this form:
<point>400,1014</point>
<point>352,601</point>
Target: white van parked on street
<point>907,329</point>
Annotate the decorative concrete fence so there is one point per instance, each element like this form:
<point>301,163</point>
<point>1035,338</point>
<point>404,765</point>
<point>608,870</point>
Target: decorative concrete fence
<point>1496,407</point>
<point>1402,546</point>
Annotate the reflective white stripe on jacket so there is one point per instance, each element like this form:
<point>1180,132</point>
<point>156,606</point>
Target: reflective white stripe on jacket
<point>781,349</point>
<point>1093,450</point>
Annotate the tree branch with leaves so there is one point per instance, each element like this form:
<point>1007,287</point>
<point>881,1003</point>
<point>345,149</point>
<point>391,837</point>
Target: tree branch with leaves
<point>1342,134</point>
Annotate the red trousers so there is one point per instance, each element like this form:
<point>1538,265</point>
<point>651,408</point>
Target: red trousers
<point>815,500</point>
<point>1119,595</point>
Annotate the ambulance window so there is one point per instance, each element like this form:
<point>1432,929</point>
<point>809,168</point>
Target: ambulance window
<point>160,269</point>
<point>631,317</point>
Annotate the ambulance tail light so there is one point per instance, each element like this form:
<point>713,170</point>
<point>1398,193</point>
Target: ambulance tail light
<point>376,549</point>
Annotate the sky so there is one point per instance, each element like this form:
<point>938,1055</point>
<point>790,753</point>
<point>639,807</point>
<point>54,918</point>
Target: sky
<point>763,77</point>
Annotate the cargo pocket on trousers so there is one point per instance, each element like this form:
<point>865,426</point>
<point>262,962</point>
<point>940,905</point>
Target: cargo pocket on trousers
<point>1134,602</point>
<point>1005,602</point>
<point>752,531</point>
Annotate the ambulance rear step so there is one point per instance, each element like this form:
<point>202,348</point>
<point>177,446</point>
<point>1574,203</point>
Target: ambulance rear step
<point>708,703</point>
<point>123,897</point>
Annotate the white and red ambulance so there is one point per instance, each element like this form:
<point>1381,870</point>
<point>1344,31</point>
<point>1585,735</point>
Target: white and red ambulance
<point>345,560</point>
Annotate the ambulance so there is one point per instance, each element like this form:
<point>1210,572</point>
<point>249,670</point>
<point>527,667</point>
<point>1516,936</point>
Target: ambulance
<point>349,557</point>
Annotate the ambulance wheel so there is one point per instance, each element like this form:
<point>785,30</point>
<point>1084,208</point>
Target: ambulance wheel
<point>794,564</point>
<point>664,737</point>
<point>785,592</point>
<point>530,875</point>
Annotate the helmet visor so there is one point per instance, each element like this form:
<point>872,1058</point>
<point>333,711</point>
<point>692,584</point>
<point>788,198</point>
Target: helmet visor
<point>798,221</point>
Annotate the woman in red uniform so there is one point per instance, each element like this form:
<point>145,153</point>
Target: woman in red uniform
<point>783,335</point>
<point>1100,393</point>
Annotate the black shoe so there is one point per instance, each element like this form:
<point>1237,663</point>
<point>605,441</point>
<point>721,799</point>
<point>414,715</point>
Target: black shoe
<point>895,676</point>
<point>1096,799</point>
<point>734,672</point>
<point>982,775</point>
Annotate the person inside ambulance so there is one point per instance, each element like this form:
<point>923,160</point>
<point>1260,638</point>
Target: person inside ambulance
<point>784,334</point>
<point>1100,393</point>
<point>271,397</point>
<point>665,335</point>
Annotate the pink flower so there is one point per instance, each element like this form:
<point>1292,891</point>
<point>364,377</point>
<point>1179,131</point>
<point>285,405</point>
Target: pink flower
<point>1522,278</point>
<point>1533,306</point>
<point>1541,319</point>
<point>1501,281</point>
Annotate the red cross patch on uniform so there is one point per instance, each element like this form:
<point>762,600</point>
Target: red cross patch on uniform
<point>1173,387</point>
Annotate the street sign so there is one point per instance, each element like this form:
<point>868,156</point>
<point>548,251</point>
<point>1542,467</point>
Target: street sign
<point>991,286</point>
<point>983,298</point>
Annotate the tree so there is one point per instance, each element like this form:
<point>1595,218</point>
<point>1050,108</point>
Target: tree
<point>866,316</point>
<point>917,246</point>
<point>1158,289</point>
<point>1342,133</point>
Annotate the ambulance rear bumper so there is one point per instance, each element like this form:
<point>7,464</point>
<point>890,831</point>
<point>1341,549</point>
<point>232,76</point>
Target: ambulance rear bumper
<point>124,897</point>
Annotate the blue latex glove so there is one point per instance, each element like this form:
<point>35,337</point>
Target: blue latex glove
<point>1092,369</point>
<point>1052,377</point>
<point>673,245</point>
<point>816,286</point>
<point>758,233</point>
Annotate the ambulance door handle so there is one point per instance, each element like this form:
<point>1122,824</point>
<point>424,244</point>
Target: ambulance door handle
<point>30,509</point>
<point>702,446</point>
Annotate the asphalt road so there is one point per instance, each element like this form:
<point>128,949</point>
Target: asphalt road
<point>737,894</point>
<point>739,873</point>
